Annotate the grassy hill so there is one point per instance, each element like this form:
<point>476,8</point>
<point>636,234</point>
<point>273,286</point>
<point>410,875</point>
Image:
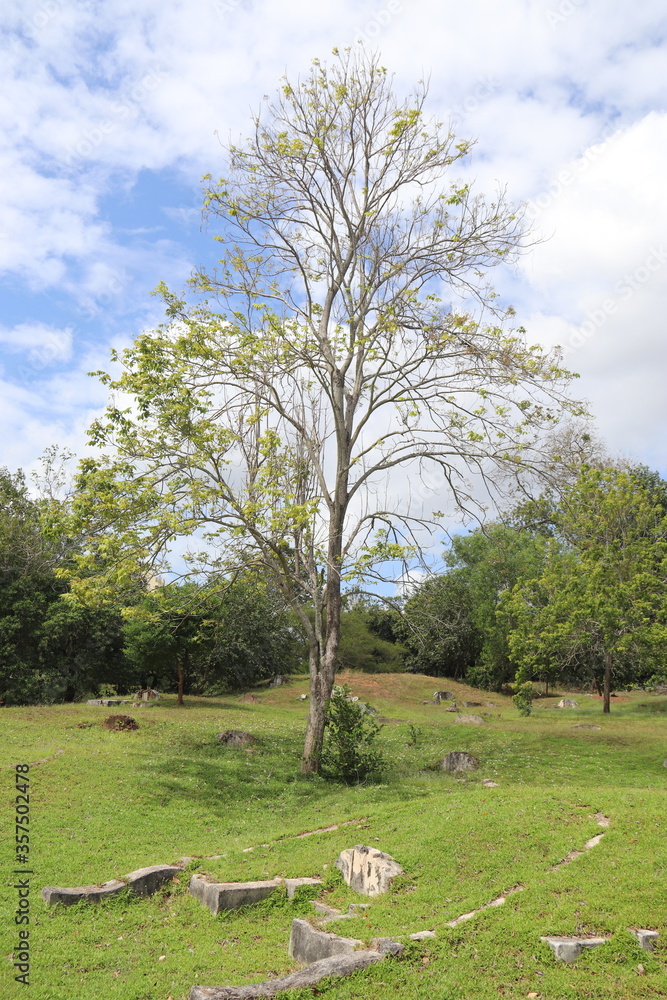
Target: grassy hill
<point>104,803</point>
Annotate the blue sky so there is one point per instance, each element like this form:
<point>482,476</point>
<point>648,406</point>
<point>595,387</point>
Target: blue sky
<point>113,111</point>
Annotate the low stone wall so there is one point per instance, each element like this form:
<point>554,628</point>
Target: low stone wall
<point>142,882</point>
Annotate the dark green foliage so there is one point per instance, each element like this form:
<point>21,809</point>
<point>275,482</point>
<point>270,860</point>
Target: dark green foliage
<point>210,639</point>
<point>348,753</point>
<point>438,628</point>
<point>367,642</point>
<point>451,625</point>
<point>50,650</point>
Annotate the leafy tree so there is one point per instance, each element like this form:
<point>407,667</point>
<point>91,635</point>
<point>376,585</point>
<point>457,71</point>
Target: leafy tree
<point>49,649</point>
<point>451,622</point>
<point>166,628</point>
<point>254,638</point>
<point>321,357</point>
<point>438,627</point>
<point>600,606</point>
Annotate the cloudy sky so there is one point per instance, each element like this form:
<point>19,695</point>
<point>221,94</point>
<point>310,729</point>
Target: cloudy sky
<point>113,109</point>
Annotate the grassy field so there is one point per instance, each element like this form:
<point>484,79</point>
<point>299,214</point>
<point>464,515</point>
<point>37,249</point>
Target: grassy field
<point>104,803</point>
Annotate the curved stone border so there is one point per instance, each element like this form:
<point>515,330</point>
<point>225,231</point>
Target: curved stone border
<point>573,855</point>
<point>498,901</point>
<point>338,965</point>
<point>142,882</point>
<point>307,944</point>
<point>36,763</point>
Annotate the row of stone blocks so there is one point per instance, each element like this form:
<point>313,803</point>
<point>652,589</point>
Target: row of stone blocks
<point>568,949</point>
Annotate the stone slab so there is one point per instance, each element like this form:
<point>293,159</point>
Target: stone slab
<point>422,935</point>
<point>307,944</point>
<point>93,893</point>
<point>337,965</point>
<point>367,870</point>
<point>146,881</point>
<point>567,703</point>
<point>230,895</point>
<point>470,720</point>
<point>324,910</point>
<point>567,949</point>
<point>387,946</point>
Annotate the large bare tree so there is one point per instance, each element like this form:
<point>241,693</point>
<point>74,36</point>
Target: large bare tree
<point>347,344</point>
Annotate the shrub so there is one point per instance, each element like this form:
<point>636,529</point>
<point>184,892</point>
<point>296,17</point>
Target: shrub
<point>523,699</point>
<point>348,754</point>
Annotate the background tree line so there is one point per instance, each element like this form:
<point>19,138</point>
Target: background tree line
<point>568,589</point>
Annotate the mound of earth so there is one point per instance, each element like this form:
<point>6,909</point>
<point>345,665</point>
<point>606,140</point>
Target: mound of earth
<point>120,723</point>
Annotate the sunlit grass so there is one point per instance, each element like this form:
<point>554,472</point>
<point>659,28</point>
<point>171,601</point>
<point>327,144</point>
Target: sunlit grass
<point>112,802</point>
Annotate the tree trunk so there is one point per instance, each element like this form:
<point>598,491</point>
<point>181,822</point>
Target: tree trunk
<point>181,679</point>
<point>606,707</point>
<point>310,762</point>
<point>323,658</point>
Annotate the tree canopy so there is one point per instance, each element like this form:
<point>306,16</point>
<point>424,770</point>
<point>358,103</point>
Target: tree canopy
<point>348,332</point>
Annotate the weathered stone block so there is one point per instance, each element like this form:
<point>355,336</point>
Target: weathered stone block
<point>567,703</point>
<point>459,760</point>
<point>324,910</point>
<point>387,946</point>
<point>146,881</point>
<point>367,870</point>
<point>307,944</point>
<point>230,895</point>
<point>92,893</point>
<point>236,738</point>
<point>645,938</point>
<point>568,949</point>
<point>470,720</point>
<point>422,935</point>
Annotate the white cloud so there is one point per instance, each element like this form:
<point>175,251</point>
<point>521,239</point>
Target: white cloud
<point>94,93</point>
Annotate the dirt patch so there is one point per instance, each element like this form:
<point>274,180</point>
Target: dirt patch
<point>120,723</point>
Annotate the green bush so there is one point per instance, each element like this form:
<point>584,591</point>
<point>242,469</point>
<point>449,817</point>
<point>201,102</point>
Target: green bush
<point>348,753</point>
<point>523,699</point>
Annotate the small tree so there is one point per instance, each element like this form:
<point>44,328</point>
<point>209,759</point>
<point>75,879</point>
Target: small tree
<point>348,753</point>
<point>321,358</point>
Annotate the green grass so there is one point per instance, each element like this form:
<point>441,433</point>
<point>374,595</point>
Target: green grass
<point>112,802</point>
